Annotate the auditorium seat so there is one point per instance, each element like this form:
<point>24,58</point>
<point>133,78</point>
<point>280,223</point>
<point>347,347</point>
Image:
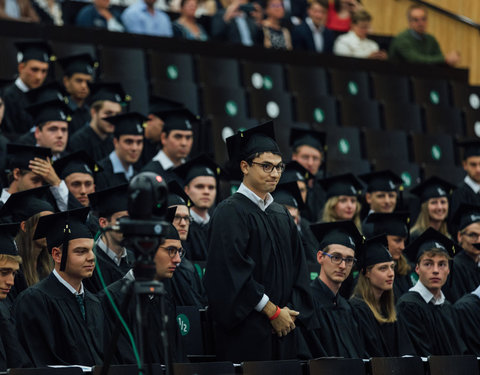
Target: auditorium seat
<point>391,88</point>
<point>208,368</point>
<point>263,76</point>
<point>431,91</point>
<point>409,172</point>
<point>336,366</point>
<point>397,365</point>
<point>341,166</point>
<point>444,120</point>
<point>351,83</point>
<point>342,142</point>
<point>319,109</point>
<point>170,67</point>
<point>433,149</point>
<point>203,137</point>
<point>224,101</point>
<point>472,123</point>
<point>8,65</point>
<point>218,72</point>
<point>361,113</point>
<point>465,96</point>
<point>45,371</point>
<point>451,173</point>
<point>453,365</point>
<point>386,144</point>
<point>290,367</point>
<point>191,330</point>
<point>307,80</point>
<point>127,369</point>
<point>271,105</point>
<point>403,116</point>
<point>183,92</point>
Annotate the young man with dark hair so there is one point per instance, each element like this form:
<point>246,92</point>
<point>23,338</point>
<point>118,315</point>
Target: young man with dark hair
<point>429,318</point>
<point>256,277</point>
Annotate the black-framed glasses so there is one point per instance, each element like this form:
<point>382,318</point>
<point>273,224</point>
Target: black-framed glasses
<point>268,167</point>
<point>338,259</point>
<point>471,235</point>
<point>172,251</point>
<point>179,218</point>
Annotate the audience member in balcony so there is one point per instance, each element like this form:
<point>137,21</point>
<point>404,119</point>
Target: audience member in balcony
<point>186,25</point>
<point>18,10</point>
<point>143,18</point>
<point>340,13</point>
<point>312,35</point>
<point>355,43</point>
<point>416,45</point>
<point>99,15</point>
<point>49,11</point>
<point>204,7</point>
<point>239,23</point>
<point>274,35</point>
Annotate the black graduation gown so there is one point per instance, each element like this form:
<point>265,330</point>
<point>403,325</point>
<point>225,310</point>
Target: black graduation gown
<point>252,252</point>
<point>110,271</point>
<point>197,241</point>
<point>463,194</point>
<point>338,333</point>
<point>107,178</point>
<point>149,151</point>
<point>310,243</point>
<point>27,138</point>
<point>380,340</point>
<point>51,328</point>
<point>316,199</point>
<point>154,351</point>
<point>433,329</point>
<point>464,277</point>
<point>18,287</point>
<point>3,159</point>
<point>155,167</point>
<point>86,139</point>
<point>80,118</point>
<point>12,354</point>
<point>401,285</point>
<point>16,120</point>
<point>187,286</point>
<point>467,309</point>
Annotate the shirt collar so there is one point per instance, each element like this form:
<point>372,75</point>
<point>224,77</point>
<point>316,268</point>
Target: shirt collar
<point>164,160</point>
<point>21,85</point>
<point>70,288</point>
<point>5,195</point>
<point>475,187</point>
<point>259,202</point>
<point>477,292</point>
<point>312,26</point>
<point>118,166</point>
<point>198,219</point>
<point>426,294</point>
<point>110,253</point>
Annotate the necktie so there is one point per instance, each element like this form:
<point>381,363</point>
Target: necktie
<point>81,303</point>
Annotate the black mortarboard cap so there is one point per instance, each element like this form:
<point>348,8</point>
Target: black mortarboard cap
<point>158,105</point>
<point>381,181</point>
<point>465,215</point>
<point>428,240</point>
<point>373,251</point>
<point>171,211</point>
<point>111,91</point>
<point>24,204</point>
<point>337,232</point>
<point>288,194</point>
<point>51,91</point>
<point>82,63</point>
<point>312,138</point>
<point>34,50</point>
<point>260,138</point>
<point>132,123</point>
<point>62,227</point>
<point>177,196</point>
<point>392,224</point>
<point>433,187</point>
<point>19,156</point>
<point>54,110</point>
<point>169,232</point>
<point>345,184</point>
<point>201,165</point>
<point>178,119</point>
<point>471,147</point>
<point>76,162</point>
<point>108,201</point>
<point>7,238</point>
<point>294,171</point>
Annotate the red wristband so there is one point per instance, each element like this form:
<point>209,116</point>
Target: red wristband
<point>277,313</point>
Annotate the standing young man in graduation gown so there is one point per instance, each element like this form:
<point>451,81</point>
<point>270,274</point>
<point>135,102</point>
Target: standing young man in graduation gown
<point>430,319</point>
<point>57,320</point>
<point>256,277</point>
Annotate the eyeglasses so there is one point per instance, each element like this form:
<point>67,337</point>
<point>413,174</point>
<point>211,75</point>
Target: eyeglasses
<point>268,167</point>
<point>178,219</point>
<point>172,251</point>
<point>338,259</point>
<point>472,235</point>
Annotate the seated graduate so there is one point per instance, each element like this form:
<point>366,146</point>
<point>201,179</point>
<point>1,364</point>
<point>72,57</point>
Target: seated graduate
<point>373,304</point>
<point>395,226</point>
<point>338,333</point>
<point>11,352</point>
<point>200,178</point>
<point>167,258</point>
<point>187,286</point>
<point>465,274</point>
<point>467,310</point>
<point>113,260</point>
<point>65,327</point>
<point>428,316</point>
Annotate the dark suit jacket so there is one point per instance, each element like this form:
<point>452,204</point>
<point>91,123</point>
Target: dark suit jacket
<point>302,38</point>
<point>229,32</point>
